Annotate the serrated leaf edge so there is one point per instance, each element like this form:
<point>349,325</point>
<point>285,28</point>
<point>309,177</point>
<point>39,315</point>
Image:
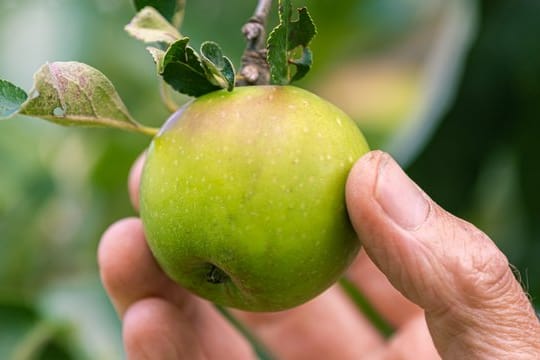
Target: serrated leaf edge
<point>285,77</point>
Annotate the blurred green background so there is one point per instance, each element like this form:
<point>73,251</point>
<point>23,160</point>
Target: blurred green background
<point>450,88</point>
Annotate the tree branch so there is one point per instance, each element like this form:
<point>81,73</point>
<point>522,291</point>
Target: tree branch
<point>255,70</point>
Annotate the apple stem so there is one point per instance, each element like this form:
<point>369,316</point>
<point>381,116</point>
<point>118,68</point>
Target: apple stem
<point>255,69</point>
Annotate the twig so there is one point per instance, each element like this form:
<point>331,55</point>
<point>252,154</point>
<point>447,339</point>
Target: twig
<point>255,29</point>
<point>255,70</point>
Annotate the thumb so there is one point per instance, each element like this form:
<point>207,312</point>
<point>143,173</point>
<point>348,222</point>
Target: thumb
<point>474,306</point>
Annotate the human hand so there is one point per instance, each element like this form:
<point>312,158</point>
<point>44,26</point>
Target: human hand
<point>456,295</point>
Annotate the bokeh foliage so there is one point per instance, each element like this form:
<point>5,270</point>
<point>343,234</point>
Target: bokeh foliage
<point>481,162</point>
<point>60,188</point>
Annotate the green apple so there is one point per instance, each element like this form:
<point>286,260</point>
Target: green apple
<point>242,196</point>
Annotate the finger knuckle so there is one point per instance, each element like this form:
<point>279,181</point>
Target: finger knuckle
<point>483,272</point>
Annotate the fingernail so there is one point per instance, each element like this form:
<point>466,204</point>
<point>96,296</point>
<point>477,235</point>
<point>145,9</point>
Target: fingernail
<point>399,197</point>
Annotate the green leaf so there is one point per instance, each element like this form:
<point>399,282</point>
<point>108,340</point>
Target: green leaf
<point>278,46</point>
<point>183,69</point>
<point>72,93</point>
<point>180,65</point>
<point>172,10</point>
<point>283,42</point>
<point>24,334</point>
<point>150,26</point>
<point>218,66</point>
<point>301,31</point>
<point>16,321</point>
<point>11,99</point>
<point>157,55</point>
<point>303,64</point>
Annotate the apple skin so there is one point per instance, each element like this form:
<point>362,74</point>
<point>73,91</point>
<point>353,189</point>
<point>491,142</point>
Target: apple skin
<point>243,196</point>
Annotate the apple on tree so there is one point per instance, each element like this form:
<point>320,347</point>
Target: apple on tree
<point>242,196</point>
<point>242,192</point>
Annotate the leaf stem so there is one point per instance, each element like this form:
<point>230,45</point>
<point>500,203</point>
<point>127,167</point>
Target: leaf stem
<point>146,130</point>
<point>166,97</point>
<point>134,127</point>
<point>366,308</point>
<point>35,340</point>
<point>258,347</point>
<point>255,70</point>
<point>179,16</point>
